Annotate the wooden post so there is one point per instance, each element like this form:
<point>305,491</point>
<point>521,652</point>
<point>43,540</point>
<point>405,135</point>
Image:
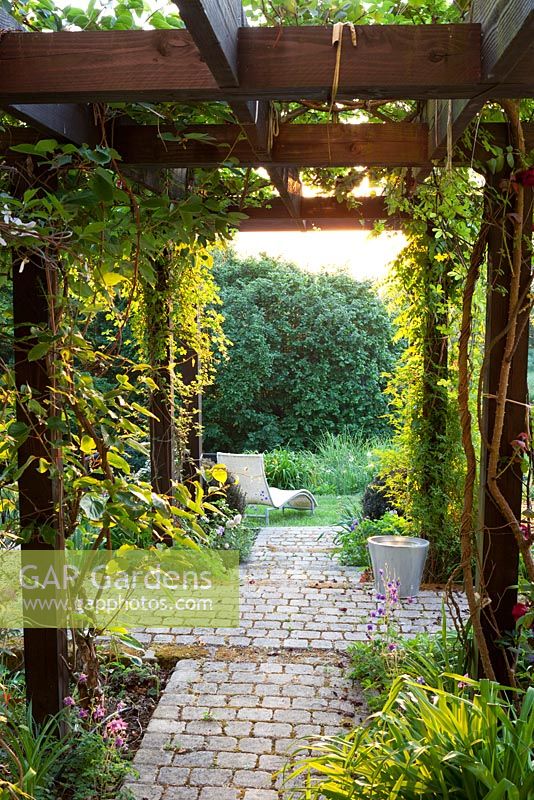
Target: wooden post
<point>162,439</point>
<point>45,649</point>
<point>498,547</point>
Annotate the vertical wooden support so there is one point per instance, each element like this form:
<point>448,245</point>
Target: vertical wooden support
<point>499,551</point>
<point>192,459</point>
<point>162,439</point>
<point>45,649</point>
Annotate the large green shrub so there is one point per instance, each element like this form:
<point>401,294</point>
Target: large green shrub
<point>309,354</point>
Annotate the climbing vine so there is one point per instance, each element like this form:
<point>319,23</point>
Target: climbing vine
<point>425,467</point>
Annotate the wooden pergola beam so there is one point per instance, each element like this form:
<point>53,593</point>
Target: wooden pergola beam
<point>372,144</point>
<point>507,35</point>
<point>73,122</point>
<point>215,30</point>
<point>67,120</point>
<point>322,213</point>
<point>287,182</point>
<point>392,144</point>
<point>507,26</point>
<point>288,63</point>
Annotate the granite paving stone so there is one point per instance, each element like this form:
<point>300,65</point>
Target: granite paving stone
<point>227,720</point>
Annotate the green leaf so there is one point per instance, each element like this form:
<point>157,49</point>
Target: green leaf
<point>117,461</point>
<point>93,506</point>
<point>46,146</point>
<point>38,351</point>
<point>112,278</point>
<point>102,188</point>
<point>94,227</point>
<point>19,430</point>
<point>87,444</point>
<point>29,149</point>
<point>144,411</point>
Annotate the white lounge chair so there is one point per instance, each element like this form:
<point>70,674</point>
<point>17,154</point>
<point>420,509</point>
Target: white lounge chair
<point>250,470</point>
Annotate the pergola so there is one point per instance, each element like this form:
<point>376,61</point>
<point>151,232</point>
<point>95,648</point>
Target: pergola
<point>51,80</point>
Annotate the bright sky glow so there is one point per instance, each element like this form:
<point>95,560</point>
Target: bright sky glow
<point>367,256</point>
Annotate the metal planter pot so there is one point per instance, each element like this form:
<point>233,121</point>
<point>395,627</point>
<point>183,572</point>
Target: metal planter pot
<point>398,558</point>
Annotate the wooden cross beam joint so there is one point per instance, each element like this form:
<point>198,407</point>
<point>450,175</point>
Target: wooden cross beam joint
<point>215,28</point>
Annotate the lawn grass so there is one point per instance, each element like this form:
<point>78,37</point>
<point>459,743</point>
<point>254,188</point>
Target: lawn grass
<point>328,512</point>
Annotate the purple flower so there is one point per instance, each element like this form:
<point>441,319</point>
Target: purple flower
<point>462,684</point>
<point>82,677</point>
<point>83,713</point>
<point>370,627</point>
<point>220,531</point>
<point>121,705</point>
<point>420,680</point>
<point>69,701</point>
<point>380,571</point>
<point>373,614</point>
<point>409,599</point>
<point>99,713</point>
<point>119,742</point>
<point>392,647</point>
<point>380,612</point>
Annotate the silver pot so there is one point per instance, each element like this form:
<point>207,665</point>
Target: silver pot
<point>398,558</point>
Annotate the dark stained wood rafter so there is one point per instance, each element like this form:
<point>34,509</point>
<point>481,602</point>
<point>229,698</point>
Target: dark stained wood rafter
<point>74,122</point>
<point>214,26</point>
<point>322,213</point>
<point>508,26</point>
<point>404,61</point>
<point>507,48</point>
<point>437,114</point>
<point>371,144</point>
<point>368,145</point>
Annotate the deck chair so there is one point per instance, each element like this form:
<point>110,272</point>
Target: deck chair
<point>250,470</point>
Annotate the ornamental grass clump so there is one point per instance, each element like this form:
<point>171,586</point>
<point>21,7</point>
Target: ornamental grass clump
<point>428,744</point>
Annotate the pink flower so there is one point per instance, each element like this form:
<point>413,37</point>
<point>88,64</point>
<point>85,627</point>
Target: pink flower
<point>116,726</point>
<point>82,677</point>
<point>462,684</point>
<point>99,713</point>
<point>83,713</point>
<point>69,701</point>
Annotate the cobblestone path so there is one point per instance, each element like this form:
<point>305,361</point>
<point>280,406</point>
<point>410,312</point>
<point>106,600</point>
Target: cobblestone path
<point>229,715</point>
